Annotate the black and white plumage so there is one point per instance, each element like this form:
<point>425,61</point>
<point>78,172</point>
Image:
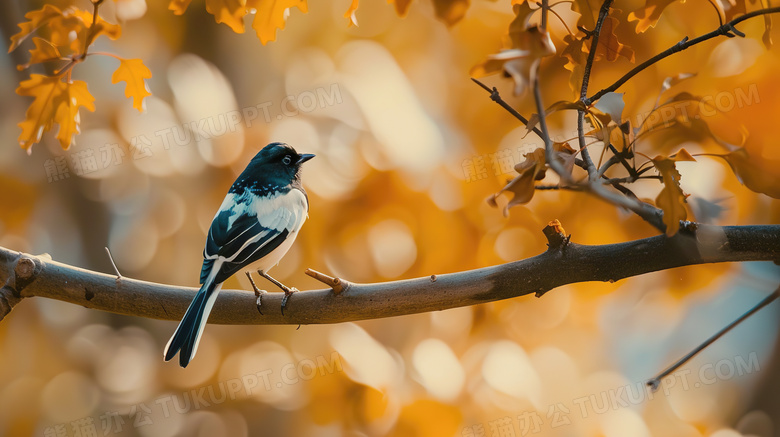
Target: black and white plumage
<point>256,223</point>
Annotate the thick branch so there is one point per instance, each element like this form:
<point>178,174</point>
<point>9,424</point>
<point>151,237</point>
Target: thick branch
<point>563,263</point>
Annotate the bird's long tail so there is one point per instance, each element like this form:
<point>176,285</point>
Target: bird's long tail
<point>188,333</point>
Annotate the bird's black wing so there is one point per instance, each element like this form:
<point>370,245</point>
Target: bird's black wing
<point>239,236</point>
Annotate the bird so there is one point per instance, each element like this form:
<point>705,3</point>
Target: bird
<point>257,223</point>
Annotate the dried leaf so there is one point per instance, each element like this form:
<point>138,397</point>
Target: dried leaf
<point>612,104</point>
<point>35,19</point>
<point>647,16</point>
<point>575,55</point>
<point>133,72</point>
<point>350,14</point>
<point>179,7</point>
<point>522,186</point>
<point>671,199</point>
<point>230,12</point>
<point>272,15</point>
<point>609,47</point>
<point>532,45</point>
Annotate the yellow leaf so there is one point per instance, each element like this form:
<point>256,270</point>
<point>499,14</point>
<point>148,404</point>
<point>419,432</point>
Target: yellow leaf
<point>40,114</point>
<point>133,72</point>
<point>759,177</point>
<point>401,6</point>
<point>350,14</point>
<point>609,47</point>
<point>178,6</point>
<point>79,22</point>
<point>230,12</point>
<point>671,199</point>
<point>648,16</point>
<point>55,101</point>
<point>450,11</point>
<point>101,27</point>
<point>44,51</point>
<point>522,186</point>
<point>271,15</point>
<point>74,95</point>
<point>36,19</point>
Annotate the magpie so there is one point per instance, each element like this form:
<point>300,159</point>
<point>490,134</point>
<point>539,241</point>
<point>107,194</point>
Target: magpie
<point>257,223</point>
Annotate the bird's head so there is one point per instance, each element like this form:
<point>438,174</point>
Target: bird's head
<point>280,159</point>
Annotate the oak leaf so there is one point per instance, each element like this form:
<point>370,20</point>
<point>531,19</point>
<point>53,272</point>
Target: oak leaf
<point>230,12</point>
<point>55,101</point>
<point>272,15</point>
<point>74,96</point>
<point>647,16</point>
<point>522,186</point>
<point>36,19</point>
<point>609,47</point>
<point>671,199</point>
<point>133,72</point>
<point>44,51</point>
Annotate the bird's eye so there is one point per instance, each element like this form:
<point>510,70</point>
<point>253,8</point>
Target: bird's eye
<point>286,160</point>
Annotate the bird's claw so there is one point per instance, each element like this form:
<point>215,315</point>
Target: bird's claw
<point>287,293</point>
<point>258,292</point>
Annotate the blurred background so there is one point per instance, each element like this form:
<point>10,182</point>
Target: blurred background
<point>408,149</point>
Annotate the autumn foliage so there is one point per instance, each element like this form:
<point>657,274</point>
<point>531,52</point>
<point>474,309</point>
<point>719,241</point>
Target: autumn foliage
<point>622,119</point>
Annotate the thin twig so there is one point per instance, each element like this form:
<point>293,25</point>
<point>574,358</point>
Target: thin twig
<point>656,381</point>
<point>111,258</point>
<point>723,30</point>
<point>549,152</point>
<point>603,13</point>
<point>494,96</point>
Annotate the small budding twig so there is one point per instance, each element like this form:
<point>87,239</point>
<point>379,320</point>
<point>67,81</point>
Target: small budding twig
<point>116,270</point>
<point>336,284</point>
<point>556,235</point>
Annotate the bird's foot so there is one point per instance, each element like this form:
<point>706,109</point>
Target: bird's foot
<point>287,293</point>
<point>258,293</point>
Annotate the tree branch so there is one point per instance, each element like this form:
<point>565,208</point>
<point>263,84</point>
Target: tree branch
<point>563,263</point>
<point>724,30</point>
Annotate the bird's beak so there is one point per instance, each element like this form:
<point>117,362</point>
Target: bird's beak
<point>305,157</point>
